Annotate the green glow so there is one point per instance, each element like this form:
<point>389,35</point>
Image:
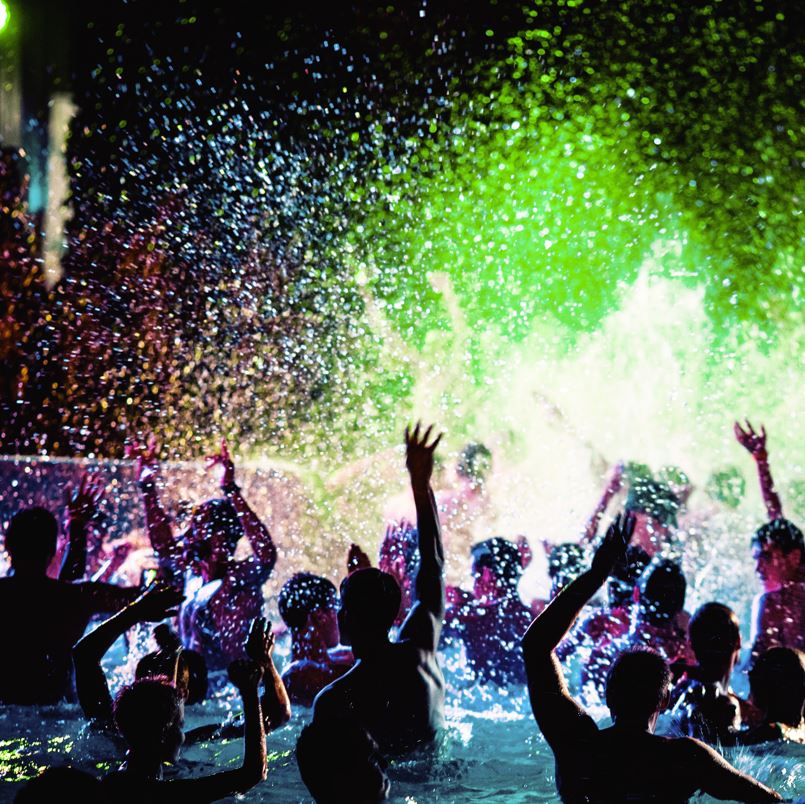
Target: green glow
<point>5,15</point>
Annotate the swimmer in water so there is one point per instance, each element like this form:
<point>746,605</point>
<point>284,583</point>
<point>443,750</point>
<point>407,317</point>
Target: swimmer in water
<point>395,690</point>
<point>492,620</point>
<point>213,619</point>
<point>627,761</point>
<point>308,605</point>
<point>49,615</point>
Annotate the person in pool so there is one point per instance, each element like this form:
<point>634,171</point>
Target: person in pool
<point>49,615</point>
<point>395,690</point>
<point>213,618</point>
<point>627,761</point>
<point>308,605</point>
<point>491,621</point>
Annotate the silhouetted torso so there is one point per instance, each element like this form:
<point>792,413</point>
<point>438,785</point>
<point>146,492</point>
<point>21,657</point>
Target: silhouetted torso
<point>43,620</point>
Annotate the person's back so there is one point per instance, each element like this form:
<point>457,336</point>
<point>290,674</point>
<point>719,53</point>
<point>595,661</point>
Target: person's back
<point>45,616</point>
<point>395,690</point>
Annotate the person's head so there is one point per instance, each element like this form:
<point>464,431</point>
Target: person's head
<point>474,463</point>
<point>496,567</point>
<point>638,686</point>
<point>370,600</point>
<point>778,551</point>
<point>677,480</point>
<point>308,601</point>
<point>339,761</point>
<point>726,486</point>
<point>31,539</point>
<point>625,575</point>
<point>399,556</point>
<point>149,714</point>
<point>191,673</point>
<point>565,563</point>
<point>60,784</point>
<point>715,636</point>
<point>662,591</point>
<point>212,536</point>
<point>777,684</point>
<point>655,500</point>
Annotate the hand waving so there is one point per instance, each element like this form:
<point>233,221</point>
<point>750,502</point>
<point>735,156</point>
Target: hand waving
<point>82,502</point>
<point>223,459</point>
<point>147,457</point>
<point>245,674</point>
<point>260,642</point>
<point>157,603</point>
<point>419,454</point>
<point>752,442</point>
<point>614,544</point>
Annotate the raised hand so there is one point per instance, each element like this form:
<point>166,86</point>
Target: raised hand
<point>260,642</point>
<point>357,559</point>
<point>245,674</point>
<point>82,501</point>
<point>419,454</point>
<point>614,544</point>
<point>751,441</point>
<point>223,459</point>
<point>157,603</point>
<point>147,457</point>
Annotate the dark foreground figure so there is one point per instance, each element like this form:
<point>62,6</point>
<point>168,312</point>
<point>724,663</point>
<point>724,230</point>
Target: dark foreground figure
<point>626,762</point>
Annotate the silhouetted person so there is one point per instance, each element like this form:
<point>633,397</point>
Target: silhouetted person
<point>45,616</point>
<point>395,689</point>
<point>340,761</point>
<point>61,784</point>
<point>308,605</point>
<point>625,762</point>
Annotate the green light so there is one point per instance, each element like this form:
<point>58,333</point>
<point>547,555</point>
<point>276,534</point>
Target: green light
<point>5,15</point>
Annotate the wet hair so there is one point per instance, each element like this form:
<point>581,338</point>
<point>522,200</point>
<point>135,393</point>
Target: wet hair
<point>371,598</point>
<point>303,594</point>
<point>777,680</point>
<point>474,462</point>
<point>499,555</point>
<point>32,535</point>
<point>565,562</point>
<point>647,496</point>
<point>60,784</point>
<point>662,590</point>
<point>637,683</point>
<point>191,673</point>
<point>625,575</point>
<point>145,711</point>
<point>340,761</point>
<point>222,521</point>
<point>780,533</point>
<point>714,631</point>
<point>727,486</point>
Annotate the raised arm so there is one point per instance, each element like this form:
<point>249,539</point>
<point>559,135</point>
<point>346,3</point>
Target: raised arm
<point>755,444</point>
<point>82,505</point>
<point>275,702</point>
<point>93,691</point>
<point>612,488</point>
<point>424,622</point>
<point>555,711</point>
<point>716,777</point>
<point>255,531</point>
<point>157,522</point>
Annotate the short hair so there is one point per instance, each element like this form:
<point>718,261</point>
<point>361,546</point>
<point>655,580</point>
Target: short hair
<point>647,496</point>
<point>662,589</point>
<point>60,784</point>
<point>779,673</point>
<point>333,758</point>
<point>780,533</point>
<point>192,674</point>
<point>474,462</point>
<point>500,556</point>
<point>714,630</point>
<point>32,534</point>
<point>637,683</point>
<point>223,520</point>
<point>372,598</point>
<point>566,562</point>
<point>145,710</point>
<point>303,594</point>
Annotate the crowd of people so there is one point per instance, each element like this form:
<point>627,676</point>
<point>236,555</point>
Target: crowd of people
<point>365,658</point>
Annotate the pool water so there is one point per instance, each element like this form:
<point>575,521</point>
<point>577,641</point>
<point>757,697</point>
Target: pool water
<point>491,750</point>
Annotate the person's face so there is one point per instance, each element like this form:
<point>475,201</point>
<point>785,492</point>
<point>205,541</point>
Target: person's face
<point>649,533</point>
<point>485,584</point>
<point>773,566</point>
